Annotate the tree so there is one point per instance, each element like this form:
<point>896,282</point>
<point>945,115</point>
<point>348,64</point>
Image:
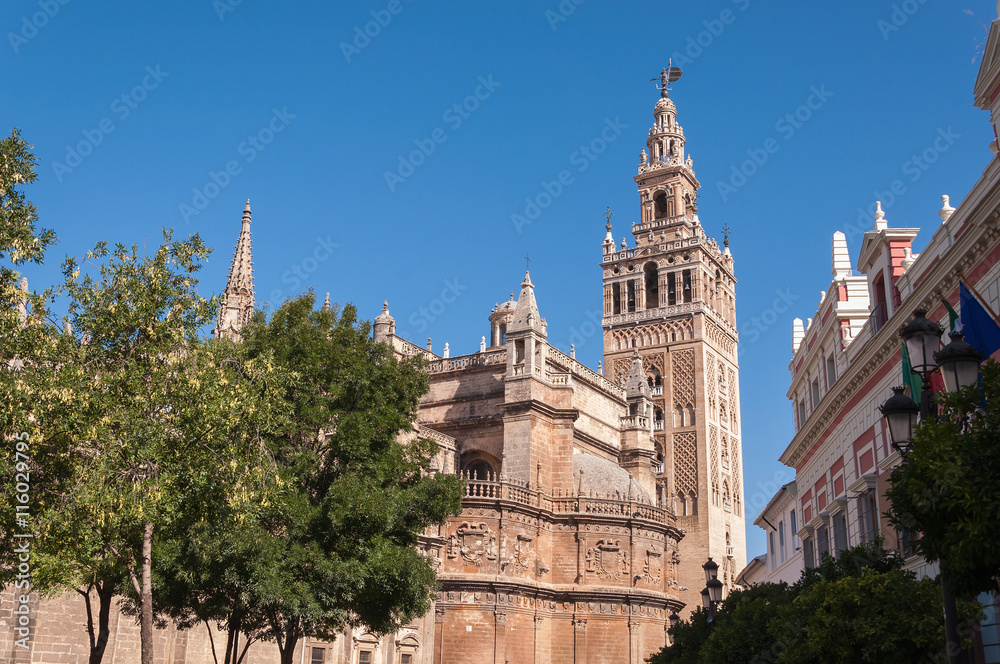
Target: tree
<point>877,618</point>
<point>131,421</point>
<point>858,608</point>
<point>21,240</point>
<point>741,634</point>
<point>947,489</point>
<point>335,543</point>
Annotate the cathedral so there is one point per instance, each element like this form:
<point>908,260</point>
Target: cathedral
<point>593,498</point>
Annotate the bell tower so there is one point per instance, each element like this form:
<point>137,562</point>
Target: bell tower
<point>670,298</point>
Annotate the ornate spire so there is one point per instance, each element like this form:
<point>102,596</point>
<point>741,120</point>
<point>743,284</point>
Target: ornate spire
<point>635,383</point>
<point>238,297</point>
<point>526,316</point>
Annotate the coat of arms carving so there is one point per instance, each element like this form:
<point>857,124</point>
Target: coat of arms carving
<point>522,553</point>
<point>653,568</point>
<point>607,559</point>
<point>473,541</point>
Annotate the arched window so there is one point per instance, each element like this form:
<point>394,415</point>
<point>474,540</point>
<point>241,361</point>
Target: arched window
<point>660,201</point>
<point>652,277</point>
<point>479,465</point>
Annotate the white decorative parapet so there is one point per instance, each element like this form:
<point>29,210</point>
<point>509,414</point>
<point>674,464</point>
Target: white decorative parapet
<point>564,361</point>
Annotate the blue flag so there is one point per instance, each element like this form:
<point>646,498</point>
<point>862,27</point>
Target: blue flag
<point>978,325</point>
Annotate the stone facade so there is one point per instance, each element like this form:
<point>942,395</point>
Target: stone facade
<point>571,545</point>
<point>848,356</point>
<point>671,298</point>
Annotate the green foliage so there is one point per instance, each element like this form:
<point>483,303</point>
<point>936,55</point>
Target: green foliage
<point>875,617</point>
<point>859,608</point>
<point>948,491</point>
<point>333,544</point>
<point>21,241</point>
<point>741,632</point>
<point>688,638</point>
<point>132,421</point>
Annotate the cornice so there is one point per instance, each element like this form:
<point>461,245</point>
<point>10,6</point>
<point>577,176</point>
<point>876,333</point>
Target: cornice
<point>940,277</point>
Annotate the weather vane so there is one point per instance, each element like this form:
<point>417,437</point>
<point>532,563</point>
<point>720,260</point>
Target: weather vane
<point>667,76</point>
<point>607,215</point>
<point>726,230</point>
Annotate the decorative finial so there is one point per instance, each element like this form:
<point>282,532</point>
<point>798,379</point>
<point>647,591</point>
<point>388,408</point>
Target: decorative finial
<point>946,209</point>
<point>326,302</point>
<point>668,75</point>
<point>623,244</point>
<point>246,212</point>
<point>880,222</point>
<point>607,215</point>
<point>726,230</point>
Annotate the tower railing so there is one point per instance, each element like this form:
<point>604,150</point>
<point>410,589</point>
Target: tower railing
<point>564,361</point>
<point>561,502</point>
<point>484,358</point>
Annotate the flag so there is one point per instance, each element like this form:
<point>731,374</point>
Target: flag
<point>980,329</point>
<point>952,315</point>
<point>910,379</point>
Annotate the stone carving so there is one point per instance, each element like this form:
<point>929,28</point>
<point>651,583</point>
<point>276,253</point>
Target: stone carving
<point>608,560</point>
<point>683,379</point>
<point>523,553</point>
<point>733,403</point>
<point>686,463</point>
<point>653,568</point>
<point>474,541</point>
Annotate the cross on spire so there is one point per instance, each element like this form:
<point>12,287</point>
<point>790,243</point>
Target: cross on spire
<point>607,215</point>
<point>527,262</point>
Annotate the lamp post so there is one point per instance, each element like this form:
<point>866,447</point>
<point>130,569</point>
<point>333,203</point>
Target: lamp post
<point>958,363</point>
<point>711,596</point>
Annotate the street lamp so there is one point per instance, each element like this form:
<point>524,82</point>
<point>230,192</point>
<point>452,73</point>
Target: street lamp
<point>712,594</point>
<point>901,414</point>
<point>674,619</point>
<point>711,569</point>
<point>959,366</point>
<point>715,591</point>
<point>922,338</point>
<point>959,363</point>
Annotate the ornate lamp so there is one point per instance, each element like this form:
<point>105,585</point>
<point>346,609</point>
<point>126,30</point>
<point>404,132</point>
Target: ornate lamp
<point>715,591</point>
<point>959,362</point>
<point>901,414</point>
<point>706,600</point>
<point>711,569</point>
<point>674,619</point>
<point>923,339</point>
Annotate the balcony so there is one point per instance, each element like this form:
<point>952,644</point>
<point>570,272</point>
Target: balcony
<point>657,425</point>
<point>658,391</point>
<point>878,317</point>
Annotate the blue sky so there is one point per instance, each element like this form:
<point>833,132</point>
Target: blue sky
<point>145,115</point>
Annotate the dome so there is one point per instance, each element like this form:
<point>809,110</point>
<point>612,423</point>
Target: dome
<point>606,477</point>
<point>510,305</point>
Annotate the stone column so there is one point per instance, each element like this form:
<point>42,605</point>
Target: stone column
<point>579,641</point>
<point>634,656</point>
<point>500,638</point>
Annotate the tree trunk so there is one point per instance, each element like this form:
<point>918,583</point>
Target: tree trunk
<point>106,592</point>
<point>291,639</point>
<point>146,597</point>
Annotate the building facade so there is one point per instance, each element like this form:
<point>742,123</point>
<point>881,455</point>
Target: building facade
<point>848,356</point>
<point>591,501</point>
